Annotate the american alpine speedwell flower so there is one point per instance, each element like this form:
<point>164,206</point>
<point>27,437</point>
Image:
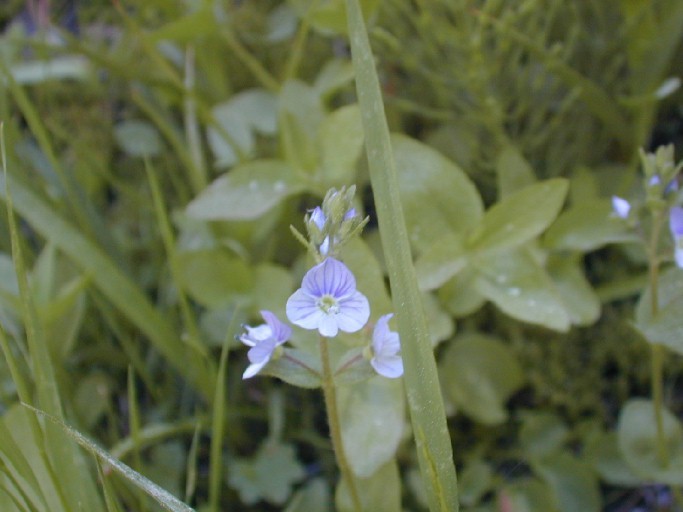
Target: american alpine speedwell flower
<point>263,340</point>
<point>318,217</point>
<point>621,207</point>
<point>676,226</point>
<point>328,300</point>
<point>385,348</point>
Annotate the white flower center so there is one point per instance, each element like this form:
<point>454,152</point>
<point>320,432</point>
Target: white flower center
<point>328,304</point>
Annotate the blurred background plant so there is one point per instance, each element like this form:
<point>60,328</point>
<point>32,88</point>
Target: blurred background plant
<point>157,153</point>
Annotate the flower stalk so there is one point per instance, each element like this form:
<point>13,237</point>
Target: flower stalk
<point>657,350</point>
<point>335,425</point>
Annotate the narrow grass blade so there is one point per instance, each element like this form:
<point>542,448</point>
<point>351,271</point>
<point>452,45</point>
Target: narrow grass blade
<point>421,380</point>
<point>161,496</point>
<point>218,423</point>
<point>134,426</point>
<point>72,479</point>
<point>600,103</point>
<point>113,284</point>
<point>169,244</point>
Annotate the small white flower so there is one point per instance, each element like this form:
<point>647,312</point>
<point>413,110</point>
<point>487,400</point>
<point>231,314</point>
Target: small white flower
<point>385,348</point>
<point>263,340</point>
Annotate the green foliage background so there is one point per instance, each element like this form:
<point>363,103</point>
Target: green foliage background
<point>155,160</point>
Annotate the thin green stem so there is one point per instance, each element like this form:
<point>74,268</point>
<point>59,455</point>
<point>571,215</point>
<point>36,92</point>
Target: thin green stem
<point>657,350</point>
<point>335,426</point>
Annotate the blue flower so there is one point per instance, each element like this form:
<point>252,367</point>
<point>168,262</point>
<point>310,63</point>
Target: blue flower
<point>676,226</point>
<point>328,300</point>
<point>621,207</point>
<point>263,340</point>
<point>385,348</point>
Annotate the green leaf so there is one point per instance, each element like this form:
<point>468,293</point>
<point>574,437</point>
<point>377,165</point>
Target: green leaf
<point>637,438</point>
<point>479,374</point>
<point>519,217</point>
<point>340,142</point>
<point>528,495</point>
<point>574,484</point>
<point>666,327</point>
<point>520,287</point>
<point>246,192</point>
<point>329,17</point>
<point>587,226</point>
<point>541,434</point>
<point>300,115</point>
<point>459,295</point>
<point>380,492</point>
<point>580,300</point>
<point>297,368</point>
<point>272,287</point>
<point>232,138</point>
<point>162,497</point>
<point>441,323</point>
<point>603,452</point>
<point>441,261</point>
<point>185,29</point>
<point>335,74</point>
<point>437,196</point>
<point>212,277</point>
<point>513,172</point>
<point>476,480</point>
<point>138,138</point>
<point>371,415</point>
<point>313,497</point>
<point>268,476</point>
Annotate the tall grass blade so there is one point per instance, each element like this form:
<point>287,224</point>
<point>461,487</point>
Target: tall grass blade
<point>113,283</point>
<point>69,470</point>
<point>421,380</point>
<point>161,496</point>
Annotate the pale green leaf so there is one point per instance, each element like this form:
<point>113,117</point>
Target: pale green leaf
<point>666,327</point>
<point>459,295</point>
<point>437,196</point>
<point>519,217</point>
<point>213,277</point>
<point>479,374</point>
<point>513,172</point>
<point>372,422</point>
<point>604,454</point>
<point>542,433</point>
<point>637,439</point>
<point>520,287</point>
<point>340,142</point>
<point>246,192</point>
<point>380,492</point>
<point>587,226</point>
<point>475,480</point>
<point>573,482</point>
<point>441,261</point>
<point>138,138</point>
<point>296,367</point>
<point>268,476</point>
<point>580,300</point>
<point>528,495</point>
